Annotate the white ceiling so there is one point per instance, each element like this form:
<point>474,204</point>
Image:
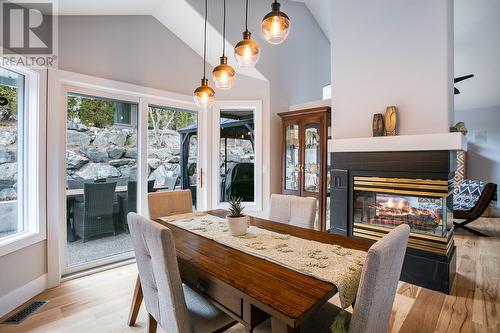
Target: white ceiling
<point>320,10</point>
<point>168,13</point>
<point>477,36</point>
<point>477,51</point>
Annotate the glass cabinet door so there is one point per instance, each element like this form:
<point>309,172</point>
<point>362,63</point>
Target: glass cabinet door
<point>292,158</point>
<point>312,157</point>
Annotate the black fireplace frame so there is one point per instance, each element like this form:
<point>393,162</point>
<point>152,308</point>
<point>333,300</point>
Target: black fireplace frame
<point>423,268</point>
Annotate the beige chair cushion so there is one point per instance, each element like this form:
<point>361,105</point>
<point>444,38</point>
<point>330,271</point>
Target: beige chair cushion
<point>299,211</point>
<point>169,203</point>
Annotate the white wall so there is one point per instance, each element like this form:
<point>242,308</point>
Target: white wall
<point>483,159</point>
<point>392,52</point>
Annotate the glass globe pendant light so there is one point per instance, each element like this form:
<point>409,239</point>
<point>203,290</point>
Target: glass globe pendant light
<point>247,51</point>
<point>224,74</point>
<point>204,95</point>
<point>275,25</point>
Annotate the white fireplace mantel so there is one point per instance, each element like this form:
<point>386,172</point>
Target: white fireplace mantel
<point>420,142</point>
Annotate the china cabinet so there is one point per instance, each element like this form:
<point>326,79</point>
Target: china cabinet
<point>304,156</point>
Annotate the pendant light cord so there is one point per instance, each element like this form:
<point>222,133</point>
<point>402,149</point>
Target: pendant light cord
<point>224,31</point>
<point>205,40</point>
<point>246,16</point>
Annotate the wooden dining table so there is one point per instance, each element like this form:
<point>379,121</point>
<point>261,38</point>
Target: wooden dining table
<point>248,288</point>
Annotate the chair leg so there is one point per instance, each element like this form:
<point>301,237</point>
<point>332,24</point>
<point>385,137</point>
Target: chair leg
<point>136,303</point>
<point>462,225</point>
<point>152,324</point>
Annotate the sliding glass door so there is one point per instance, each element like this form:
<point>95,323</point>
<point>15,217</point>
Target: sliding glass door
<point>173,149</point>
<point>101,179</point>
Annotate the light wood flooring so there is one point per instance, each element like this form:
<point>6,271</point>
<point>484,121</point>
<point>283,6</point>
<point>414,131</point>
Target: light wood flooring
<point>100,302</point>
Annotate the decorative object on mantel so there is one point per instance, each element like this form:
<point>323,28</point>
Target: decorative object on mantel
<point>378,124</point>
<point>391,121</point>
<point>236,220</point>
<point>459,127</point>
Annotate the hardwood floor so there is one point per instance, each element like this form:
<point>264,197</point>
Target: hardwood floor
<point>100,302</point>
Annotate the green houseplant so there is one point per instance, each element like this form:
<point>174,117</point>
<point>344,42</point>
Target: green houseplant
<point>236,220</point>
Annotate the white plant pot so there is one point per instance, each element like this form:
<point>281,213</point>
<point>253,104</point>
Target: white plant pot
<point>237,225</point>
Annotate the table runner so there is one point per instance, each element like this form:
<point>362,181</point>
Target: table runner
<point>331,263</point>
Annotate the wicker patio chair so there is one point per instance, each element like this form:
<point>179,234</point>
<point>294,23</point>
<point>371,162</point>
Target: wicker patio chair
<point>128,201</point>
<point>94,216</point>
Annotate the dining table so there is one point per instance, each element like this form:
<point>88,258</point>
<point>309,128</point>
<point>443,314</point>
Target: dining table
<point>248,288</point>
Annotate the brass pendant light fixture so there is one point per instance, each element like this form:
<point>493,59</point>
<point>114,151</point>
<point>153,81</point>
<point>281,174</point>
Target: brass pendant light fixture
<point>204,95</point>
<point>275,25</point>
<point>224,74</point>
<point>247,51</point>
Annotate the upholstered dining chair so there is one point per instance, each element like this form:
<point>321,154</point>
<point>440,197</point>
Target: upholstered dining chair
<point>169,203</point>
<point>299,211</point>
<point>377,289</point>
<point>176,307</point>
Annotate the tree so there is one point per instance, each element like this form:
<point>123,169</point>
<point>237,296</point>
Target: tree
<point>8,112</point>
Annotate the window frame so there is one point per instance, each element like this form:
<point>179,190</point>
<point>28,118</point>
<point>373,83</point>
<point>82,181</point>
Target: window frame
<point>32,205</point>
<point>256,107</point>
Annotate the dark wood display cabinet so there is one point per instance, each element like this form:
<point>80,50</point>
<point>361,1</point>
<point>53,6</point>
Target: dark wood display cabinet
<point>304,156</point>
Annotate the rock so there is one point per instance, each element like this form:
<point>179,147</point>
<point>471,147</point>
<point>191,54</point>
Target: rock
<point>74,160</point>
<point>122,161</point>
<point>131,140</point>
<point>8,171</point>
<point>166,154</point>
<point>110,136</point>
<point>165,170</point>
<point>75,138</point>
<point>7,155</point>
<point>174,159</point>
<point>8,136</point>
<point>232,157</point>
<point>154,163</point>
<point>152,154</point>
<point>97,170</point>
<point>131,153</point>
<point>96,154</point>
<point>164,138</point>
<point>128,171</point>
<point>115,152</point>
<point>8,194</point>
<point>75,126</point>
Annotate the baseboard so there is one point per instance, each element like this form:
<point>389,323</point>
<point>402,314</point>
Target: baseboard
<point>22,294</point>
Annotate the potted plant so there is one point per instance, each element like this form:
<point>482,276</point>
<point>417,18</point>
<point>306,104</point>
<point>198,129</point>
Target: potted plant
<point>236,220</point>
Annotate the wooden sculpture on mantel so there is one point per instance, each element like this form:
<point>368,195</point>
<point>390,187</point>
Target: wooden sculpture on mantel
<point>391,121</point>
<point>378,124</point>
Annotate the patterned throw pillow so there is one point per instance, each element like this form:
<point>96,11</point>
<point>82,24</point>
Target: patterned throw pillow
<point>468,194</point>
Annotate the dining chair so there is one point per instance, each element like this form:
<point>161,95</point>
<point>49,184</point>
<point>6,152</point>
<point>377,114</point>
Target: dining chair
<point>291,209</point>
<point>169,203</point>
<point>375,297</point>
<point>170,303</point>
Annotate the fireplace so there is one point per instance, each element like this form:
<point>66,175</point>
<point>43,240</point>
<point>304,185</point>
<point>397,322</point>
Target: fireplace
<point>374,192</point>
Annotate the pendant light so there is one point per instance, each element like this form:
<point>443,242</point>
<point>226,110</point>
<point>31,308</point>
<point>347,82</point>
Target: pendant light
<point>224,74</point>
<point>247,51</point>
<point>275,25</point>
<point>204,95</point>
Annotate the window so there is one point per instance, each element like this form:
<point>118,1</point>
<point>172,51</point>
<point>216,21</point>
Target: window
<point>173,149</point>
<point>327,91</point>
<point>11,152</point>
<point>237,162</point>
<point>21,158</point>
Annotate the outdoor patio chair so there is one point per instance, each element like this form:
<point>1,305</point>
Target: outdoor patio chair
<point>471,201</point>
<point>170,183</point>
<point>240,182</point>
<point>128,201</point>
<point>94,216</point>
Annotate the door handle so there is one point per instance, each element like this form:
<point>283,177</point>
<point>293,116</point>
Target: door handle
<point>201,178</point>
